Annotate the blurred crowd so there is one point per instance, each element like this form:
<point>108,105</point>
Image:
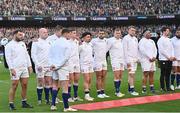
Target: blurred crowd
<point>32,32</point>
<point>89,7</point>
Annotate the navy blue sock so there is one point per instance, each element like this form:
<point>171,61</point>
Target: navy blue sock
<point>75,87</point>
<point>50,90</point>
<point>46,91</point>
<point>102,91</point>
<point>23,102</point>
<point>39,93</point>
<point>98,92</point>
<point>11,105</point>
<point>177,79</point>
<point>69,91</point>
<point>152,88</point>
<point>119,85</point>
<point>172,78</point>
<point>129,89</point>
<point>54,95</point>
<point>65,100</point>
<point>132,89</point>
<point>116,84</point>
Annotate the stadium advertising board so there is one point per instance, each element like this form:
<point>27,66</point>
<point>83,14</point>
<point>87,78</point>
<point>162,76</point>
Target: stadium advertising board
<point>18,18</point>
<point>59,18</point>
<point>119,18</point>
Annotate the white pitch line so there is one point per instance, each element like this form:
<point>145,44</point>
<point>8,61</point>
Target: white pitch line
<point>3,82</point>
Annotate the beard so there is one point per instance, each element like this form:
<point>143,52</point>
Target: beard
<point>101,37</point>
<point>178,37</point>
<point>18,39</point>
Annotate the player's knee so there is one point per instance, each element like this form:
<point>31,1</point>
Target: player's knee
<point>40,85</point>
<point>14,86</point>
<point>24,85</point>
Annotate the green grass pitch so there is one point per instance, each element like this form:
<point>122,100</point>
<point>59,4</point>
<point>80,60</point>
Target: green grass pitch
<point>170,106</point>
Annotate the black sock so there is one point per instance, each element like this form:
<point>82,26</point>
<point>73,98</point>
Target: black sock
<point>98,92</point>
<point>65,100</point>
<point>75,87</point>
<point>172,78</point>
<point>102,91</point>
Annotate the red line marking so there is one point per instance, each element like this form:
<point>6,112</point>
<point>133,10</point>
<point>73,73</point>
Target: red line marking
<point>127,102</point>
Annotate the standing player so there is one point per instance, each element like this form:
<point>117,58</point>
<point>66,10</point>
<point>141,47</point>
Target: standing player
<point>52,39</point>
<point>74,67</point>
<point>148,53</point>
<point>176,64</point>
<point>166,56</point>
<point>59,55</point>
<point>100,65</point>
<point>86,63</point>
<point>130,45</point>
<point>115,48</point>
<point>39,53</point>
<point>19,64</point>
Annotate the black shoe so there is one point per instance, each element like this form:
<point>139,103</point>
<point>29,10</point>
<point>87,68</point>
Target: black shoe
<point>48,103</point>
<point>163,90</point>
<point>26,105</point>
<point>153,91</point>
<point>12,107</point>
<point>169,90</point>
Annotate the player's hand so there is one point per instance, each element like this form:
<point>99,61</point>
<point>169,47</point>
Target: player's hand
<point>30,70</point>
<point>174,59</point>
<point>171,58</point>
<point>129,66</point>
<point>152,59</point>
<point>39,69</point>
<point>13,72</point>
<point>77,38</point>
<point>53,68</point>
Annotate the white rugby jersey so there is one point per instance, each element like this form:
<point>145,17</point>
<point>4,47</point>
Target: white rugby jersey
<point>74,59</point>
<point>115,47</point>
<point>130,45</point>
<point>99,49</point>
<point>85,53</point>
<point>165,48</point>
<point>40,52</point>
<point>176,45</point>
<point>147,49</point>
<point>51,39</point>
<point>16,55</point>
<point>60,53</point>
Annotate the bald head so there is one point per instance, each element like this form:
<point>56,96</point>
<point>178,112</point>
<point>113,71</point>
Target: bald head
<point>147,34</point>
<point>43,33</point>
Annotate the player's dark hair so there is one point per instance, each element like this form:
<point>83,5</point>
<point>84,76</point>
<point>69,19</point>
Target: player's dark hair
<point>178,29</point>
<point>85,34</point>
<point>16,31</point>
<point>164,29</point>
<point>117,29</point>
<point>131,27</point>
<point>58,28</point>
<point>71,30</point>
<point>65,31</point>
